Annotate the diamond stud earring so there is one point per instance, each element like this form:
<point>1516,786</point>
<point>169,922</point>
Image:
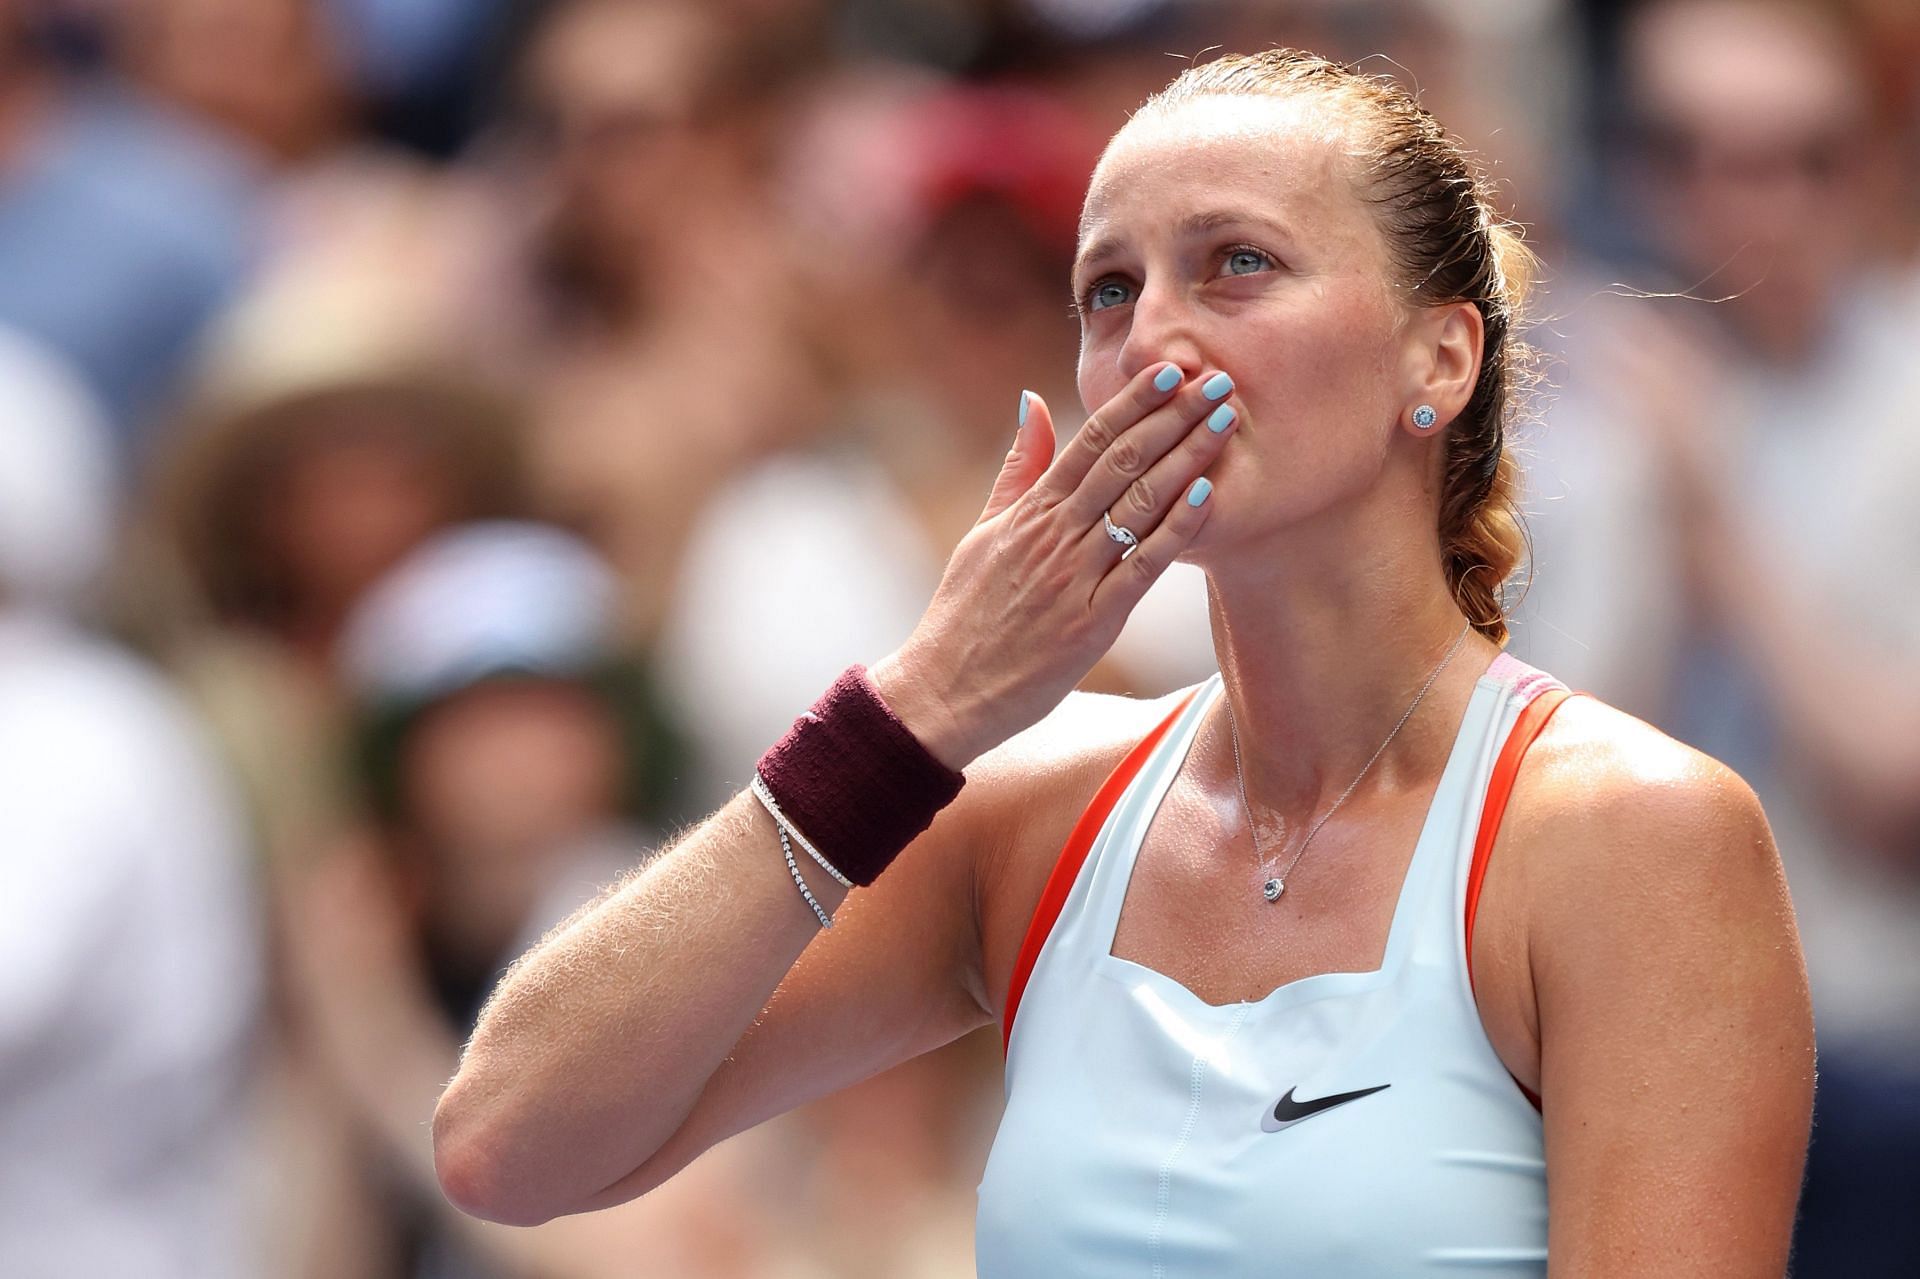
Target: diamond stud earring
<point>1424,417</point>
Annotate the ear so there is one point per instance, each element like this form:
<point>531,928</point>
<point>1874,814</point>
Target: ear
<point>1444,361</point>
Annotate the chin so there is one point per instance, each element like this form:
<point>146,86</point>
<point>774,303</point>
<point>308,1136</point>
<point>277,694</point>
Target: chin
<point>1251,520</point>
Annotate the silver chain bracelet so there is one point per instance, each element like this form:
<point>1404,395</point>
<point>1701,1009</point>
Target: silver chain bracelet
<point>772,806</point>
<point>766,799</point>
<point>793,868</point>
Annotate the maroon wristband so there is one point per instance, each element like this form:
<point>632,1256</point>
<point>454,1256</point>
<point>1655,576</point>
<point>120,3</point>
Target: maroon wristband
<point>852,777</point>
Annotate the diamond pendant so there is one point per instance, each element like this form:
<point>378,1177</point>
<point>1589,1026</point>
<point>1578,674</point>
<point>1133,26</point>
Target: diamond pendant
<point>1273,889</point>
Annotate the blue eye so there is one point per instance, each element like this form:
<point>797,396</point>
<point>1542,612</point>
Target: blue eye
<point>1246,261</point>
<point>1105,294</point>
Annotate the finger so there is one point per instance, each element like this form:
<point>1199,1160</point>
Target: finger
<point>1150,388</point>
<point>1129,578</point>
<point>1124,460</point>
<point>1027,460</point>
<point>1146,501</point>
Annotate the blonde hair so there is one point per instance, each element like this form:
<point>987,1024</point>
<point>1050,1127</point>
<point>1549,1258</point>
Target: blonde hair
<point>1449,245</point>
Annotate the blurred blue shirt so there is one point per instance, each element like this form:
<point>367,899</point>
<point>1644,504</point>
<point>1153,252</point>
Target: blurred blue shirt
<point>124,229</point>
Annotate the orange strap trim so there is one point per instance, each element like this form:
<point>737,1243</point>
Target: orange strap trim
<point>1532,719</point>
<point>1067,868</point>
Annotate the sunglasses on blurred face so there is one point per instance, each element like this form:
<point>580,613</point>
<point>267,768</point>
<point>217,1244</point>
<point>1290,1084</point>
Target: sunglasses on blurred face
<point>1812,155</point>
<point>553,129</point>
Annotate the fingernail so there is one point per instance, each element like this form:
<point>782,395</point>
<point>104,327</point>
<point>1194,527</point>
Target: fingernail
<point>1201,489</point>
<point>1168,378</point>
<point>1026,399</point>
<point>1221,418</point>
<point>1217,387</point>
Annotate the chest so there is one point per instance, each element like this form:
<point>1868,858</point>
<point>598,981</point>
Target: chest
<point>1194,907</point>
<point>1194,912</point>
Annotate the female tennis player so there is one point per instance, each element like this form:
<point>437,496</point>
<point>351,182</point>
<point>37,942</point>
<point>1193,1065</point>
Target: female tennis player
<point>1376,953</point>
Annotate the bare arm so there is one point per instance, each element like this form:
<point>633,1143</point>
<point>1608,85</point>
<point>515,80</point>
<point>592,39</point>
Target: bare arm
<point>1676,1033</point>
<point>597,1044</point>
<point>597,1067</point>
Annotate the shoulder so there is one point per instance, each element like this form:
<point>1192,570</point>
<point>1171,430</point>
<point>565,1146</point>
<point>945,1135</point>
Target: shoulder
<point>1638,844</point>
<point>1029,793</point>
<point>1619,791</point>
<point>1625,861</point>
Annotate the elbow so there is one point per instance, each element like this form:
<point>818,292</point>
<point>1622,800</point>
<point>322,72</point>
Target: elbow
<point>474,1173</point>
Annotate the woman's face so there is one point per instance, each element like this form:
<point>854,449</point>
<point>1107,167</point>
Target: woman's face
<point>1227,233</point>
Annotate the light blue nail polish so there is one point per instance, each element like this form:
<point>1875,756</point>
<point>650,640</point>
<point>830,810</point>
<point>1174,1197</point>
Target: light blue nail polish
<point>1026,400</point>
<point>1217,387</point>
<point>1221,418</point>
<point>1201,489</point>
<point>1168,378</point>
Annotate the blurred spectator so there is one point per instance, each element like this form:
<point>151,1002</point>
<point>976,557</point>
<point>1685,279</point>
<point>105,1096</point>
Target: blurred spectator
<point>676,345</point>
<point>266,72</point>
<point>124,226</point>
<point>1724,516</point>
<point>129,956</point>
<point>271,517</point>
<point>479,666</point>
<point>371,262</point>
<point>427,66</point>
<point>58,511</point>
<point>901,1154</point>
<point>497,759</point>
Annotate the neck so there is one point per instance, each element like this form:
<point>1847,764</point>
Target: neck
<point>1320,662</point>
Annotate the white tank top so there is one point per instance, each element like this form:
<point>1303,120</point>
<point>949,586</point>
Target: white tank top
<point>1347,1124</point>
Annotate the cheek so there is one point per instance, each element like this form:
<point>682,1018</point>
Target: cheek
<point>1096,376</point>
<point>1329,359</point>
<point>1350,328</point>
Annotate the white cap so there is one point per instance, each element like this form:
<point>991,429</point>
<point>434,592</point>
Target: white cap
<point>477,600</point>
<point>57,481</point>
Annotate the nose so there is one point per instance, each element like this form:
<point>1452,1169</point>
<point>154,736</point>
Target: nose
<point>1161,328</point>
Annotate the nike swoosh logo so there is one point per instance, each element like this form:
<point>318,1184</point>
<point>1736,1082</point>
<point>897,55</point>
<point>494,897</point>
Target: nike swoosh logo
<point>1288,1112</point>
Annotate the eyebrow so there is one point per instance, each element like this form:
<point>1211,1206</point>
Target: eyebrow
<point>1190,226</point>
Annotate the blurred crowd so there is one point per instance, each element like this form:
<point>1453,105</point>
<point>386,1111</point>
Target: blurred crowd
<point>443,442</point>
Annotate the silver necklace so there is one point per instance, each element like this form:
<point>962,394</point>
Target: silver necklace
<point>1277,884</point>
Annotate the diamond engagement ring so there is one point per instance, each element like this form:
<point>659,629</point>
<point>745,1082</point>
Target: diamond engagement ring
<point>1124,536</point>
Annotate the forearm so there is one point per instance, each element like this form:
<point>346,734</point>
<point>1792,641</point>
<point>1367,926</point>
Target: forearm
<point>597,1043</point>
